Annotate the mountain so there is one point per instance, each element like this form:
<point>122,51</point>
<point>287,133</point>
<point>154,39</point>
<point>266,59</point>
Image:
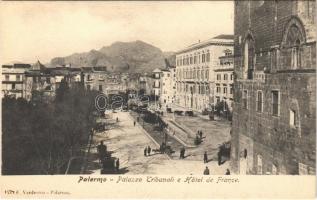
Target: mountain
<point>134,56</point>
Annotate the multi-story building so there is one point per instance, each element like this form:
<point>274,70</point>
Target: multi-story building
<point>96,79</point>
<point>168,87</point>
<point>42,82</point>
<point>157,73</point>
<point>13,80</point>
<point>274,116</point>
<point>195,73</point>
<point>224,80</point>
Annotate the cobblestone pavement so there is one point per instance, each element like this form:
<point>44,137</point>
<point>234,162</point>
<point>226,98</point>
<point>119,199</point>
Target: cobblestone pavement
<point>128,142</point>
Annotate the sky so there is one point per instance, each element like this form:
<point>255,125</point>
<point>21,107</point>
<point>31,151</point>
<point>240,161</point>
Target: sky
<point>31,31</point>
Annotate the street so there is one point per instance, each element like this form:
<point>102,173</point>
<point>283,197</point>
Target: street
<point>127,142</point>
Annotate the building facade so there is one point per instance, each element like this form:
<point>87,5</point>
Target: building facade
<point>168,86</point>
<point>274,118</point>
<point>157,73</point>
<point>224,80</point>
<point>13,77</point>
<point>42,82</point>
<point>195,65</point>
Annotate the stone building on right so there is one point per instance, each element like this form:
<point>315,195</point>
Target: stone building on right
<point>274,109</point>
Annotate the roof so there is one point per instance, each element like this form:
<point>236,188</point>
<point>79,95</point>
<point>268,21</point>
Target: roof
<point>223,39</point>
<point>224,36</point>
<point>38,66</point>
<point>157,70</point>
<point>17,65</point>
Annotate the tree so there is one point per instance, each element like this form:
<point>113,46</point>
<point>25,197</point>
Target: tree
<point>41,137</point>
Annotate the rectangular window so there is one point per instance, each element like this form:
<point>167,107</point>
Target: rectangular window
<point>231,89</point>
<point>88,87</point>
<point>259,104</point>
<point>231,77</point>
<point>225,77</point>
<point>245,99</point>
<point>7,77</point>
<point>208,57</point>
<point>225,89</point>
<point>203,58</point>
<point>48,80</point>
<point>18,77</point>
<point>13,86</point>
<point>275,103</point>
<point>100,88</point>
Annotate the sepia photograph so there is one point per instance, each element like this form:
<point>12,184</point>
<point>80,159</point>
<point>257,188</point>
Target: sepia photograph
<point>158,88</point>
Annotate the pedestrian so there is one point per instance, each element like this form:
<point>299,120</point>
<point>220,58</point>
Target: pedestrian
<point>205,157</point>
<point>183,153</point>
<point>138,119</point>
<point>102,150</point>
<point>117,165</point>
<point>145,151</point>
<point>201,134</point>
<point>228,172</point>
<point>148,150</point>
<point>206,171</point>
<point>117,119</point>
<point>219,158</point>
<point>134,123</point>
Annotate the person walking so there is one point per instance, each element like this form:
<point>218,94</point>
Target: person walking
<point>206,171</point>
<point>134,123</point>
<point>117,119</point>
<point>227,172</point>
<point>205,157</point>
<point>148,150</point>
<point>219,158</point>
<point>145,151</point>
<point>102,150</point>
<point>201,134</point>
<point>183,153</point>
<point>117,165</point>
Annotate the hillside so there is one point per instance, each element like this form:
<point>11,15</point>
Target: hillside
<point>135,56</point>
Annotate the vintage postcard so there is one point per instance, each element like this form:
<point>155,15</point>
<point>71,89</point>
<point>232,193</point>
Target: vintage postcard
<point>158,99</point>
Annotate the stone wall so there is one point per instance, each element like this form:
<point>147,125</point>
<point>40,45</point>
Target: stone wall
<point>280,144</point>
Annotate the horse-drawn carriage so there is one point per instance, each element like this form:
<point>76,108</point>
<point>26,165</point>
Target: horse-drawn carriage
<point>110,165</point>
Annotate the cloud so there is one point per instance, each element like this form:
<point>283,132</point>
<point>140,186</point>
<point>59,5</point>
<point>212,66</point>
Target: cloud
<point>42,30</point>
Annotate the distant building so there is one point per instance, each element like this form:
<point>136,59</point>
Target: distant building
<point>157,73</point>
<point>195,75</point>
<point>224,79</point>
<point>96,79</point>
<point>13,80</point>
<point>274,115</point>
<point>42,82</point>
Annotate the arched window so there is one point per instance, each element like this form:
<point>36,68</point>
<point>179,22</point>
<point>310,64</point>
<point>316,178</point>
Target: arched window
<point>248,57</point>
<point>294,36</point>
